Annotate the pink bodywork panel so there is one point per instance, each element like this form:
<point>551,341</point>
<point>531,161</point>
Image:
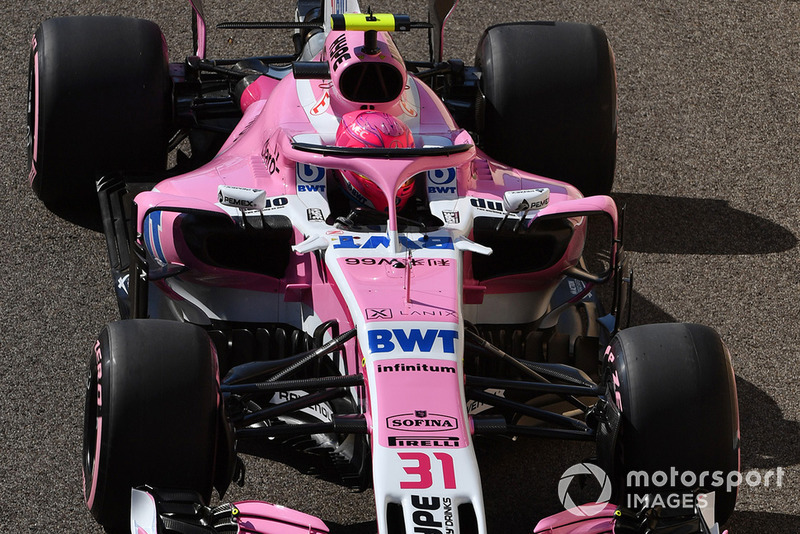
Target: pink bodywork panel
<point>422,401</point>
<point>575,522</point>
<point>430,284</point>
<point>256,517</point>
<point>200,24</point>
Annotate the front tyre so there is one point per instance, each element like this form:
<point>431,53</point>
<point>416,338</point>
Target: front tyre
<point>675,388</point>
<point>153,415</point>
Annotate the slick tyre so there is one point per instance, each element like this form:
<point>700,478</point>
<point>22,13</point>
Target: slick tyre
<point>153,415</point>
<point>550,101</point>
<point>675,387</point>
<point>99,96</point>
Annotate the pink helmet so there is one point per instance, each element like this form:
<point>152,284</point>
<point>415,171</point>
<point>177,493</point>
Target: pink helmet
<point>372,129</point>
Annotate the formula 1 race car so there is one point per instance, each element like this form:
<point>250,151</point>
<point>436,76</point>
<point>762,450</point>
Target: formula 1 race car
<point>371,261</point>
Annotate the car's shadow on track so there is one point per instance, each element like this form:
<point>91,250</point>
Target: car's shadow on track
<point>761,522</point>
<point>679,225</point>
<point>521,478</point>
<point>769,440</point>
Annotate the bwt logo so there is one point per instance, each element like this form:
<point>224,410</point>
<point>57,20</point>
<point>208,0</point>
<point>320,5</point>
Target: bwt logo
<point>442,176</point>
<point>309,174</point>
<point>439,189</point>
<point>310,188</point>
<point>414,340</point>
<point>310,177</point>
<point>442,181</point>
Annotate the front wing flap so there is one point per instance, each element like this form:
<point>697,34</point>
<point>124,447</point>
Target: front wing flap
<point>161,511</point>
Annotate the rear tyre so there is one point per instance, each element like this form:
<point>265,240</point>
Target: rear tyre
<point>675,386</point>
<point>98,102</point>
<point>153,415</point>
<point>550,101</point>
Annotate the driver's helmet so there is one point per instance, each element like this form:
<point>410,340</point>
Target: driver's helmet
<point>372,129</point>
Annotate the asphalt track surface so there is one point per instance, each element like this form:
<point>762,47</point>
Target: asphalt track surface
<point>709,168</point>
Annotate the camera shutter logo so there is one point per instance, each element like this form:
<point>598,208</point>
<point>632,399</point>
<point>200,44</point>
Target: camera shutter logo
<point>583,470</point>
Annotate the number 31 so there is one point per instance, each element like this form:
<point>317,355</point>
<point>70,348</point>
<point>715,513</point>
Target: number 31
<point>422,469</point>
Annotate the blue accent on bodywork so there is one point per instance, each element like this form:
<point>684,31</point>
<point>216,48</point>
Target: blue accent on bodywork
<point>152,236</point>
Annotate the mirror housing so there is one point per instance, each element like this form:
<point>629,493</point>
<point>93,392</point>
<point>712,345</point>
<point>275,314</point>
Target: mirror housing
<point>526,200</point>
<point>242,197</point>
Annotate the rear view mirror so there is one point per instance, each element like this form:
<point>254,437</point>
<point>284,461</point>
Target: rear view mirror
<point>598,232</point>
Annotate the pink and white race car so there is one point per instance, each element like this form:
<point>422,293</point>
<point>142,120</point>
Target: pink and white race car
<point>370,260</point>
